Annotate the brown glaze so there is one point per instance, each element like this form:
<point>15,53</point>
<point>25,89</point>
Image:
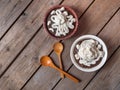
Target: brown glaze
<point>71,11</point>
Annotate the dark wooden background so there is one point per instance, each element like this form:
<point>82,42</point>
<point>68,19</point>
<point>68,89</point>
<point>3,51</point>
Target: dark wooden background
<point>23,41</point>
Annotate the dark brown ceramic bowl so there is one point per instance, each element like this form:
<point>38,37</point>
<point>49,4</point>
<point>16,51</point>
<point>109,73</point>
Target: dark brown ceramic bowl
<point>69,10</point>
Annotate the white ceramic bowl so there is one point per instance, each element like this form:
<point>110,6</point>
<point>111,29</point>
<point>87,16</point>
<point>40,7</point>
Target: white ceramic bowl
<point>81,38</point>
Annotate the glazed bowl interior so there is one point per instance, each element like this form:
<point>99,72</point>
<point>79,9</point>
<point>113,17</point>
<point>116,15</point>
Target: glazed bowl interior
<point>69,10</point>
<point>102,62</point>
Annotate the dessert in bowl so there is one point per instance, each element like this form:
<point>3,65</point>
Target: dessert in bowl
<point>61,22</point>
<point>88,53</point>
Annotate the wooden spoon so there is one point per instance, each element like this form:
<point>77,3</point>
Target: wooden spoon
<point>47,61</point>
<point>58,48</point>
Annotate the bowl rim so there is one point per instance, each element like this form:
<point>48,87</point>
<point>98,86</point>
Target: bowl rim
<point>97,66</point>
<point>73,13</point>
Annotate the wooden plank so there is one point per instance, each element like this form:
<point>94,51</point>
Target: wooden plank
<point>22,71</point>
<point>45,77</point>
<point>27,25</point>
<point>26,65</point>
<point>20,34</point>
<point>9,12</point>
<point>110,35</point>
<point>78,5</point>
<point>109,77</point>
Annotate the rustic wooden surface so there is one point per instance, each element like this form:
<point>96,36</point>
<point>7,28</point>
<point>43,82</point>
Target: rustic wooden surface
<point>23,41</point>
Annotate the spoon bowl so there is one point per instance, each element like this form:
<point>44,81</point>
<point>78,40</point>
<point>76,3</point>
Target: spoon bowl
<point>58,48</point>
<point>46,61</point>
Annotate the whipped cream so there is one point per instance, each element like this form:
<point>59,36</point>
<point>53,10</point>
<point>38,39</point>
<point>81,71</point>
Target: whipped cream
<point>89,52</point>
<point>62,22</point>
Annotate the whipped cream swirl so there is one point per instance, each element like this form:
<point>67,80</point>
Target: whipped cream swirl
<point>61,22</point>
<point>89,52</point>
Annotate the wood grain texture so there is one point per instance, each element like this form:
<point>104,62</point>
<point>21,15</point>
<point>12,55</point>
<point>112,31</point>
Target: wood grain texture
<point>110,35</point>
<point>110,74</point>
<point>109,77</point>
<point>22,31</point>
<point>45,77</point>
<point>15,40</point>
<point>9,12</point>
<point>79,6</point>
<point>27,62</point>
<point>22,71</point>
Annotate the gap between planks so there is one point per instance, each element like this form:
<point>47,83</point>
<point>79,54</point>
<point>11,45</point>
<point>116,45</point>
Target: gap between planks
<point>108,20</point>
<point>20,51</point>
<point>16,20</point>
<point>28,40</point>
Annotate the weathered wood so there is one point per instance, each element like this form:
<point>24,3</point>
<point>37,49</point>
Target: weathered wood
<point>22,71</point>
<point>45,77</point>
<point>9,12</point>
<point>78,5</point>
<point>19,35</point>
<point>110,35</point>
<point>25,65</point>
<point>109,77</point>
<point>22,31</point>
<point>110,73</point>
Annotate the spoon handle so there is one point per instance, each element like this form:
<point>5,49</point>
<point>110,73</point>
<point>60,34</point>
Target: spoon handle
<point>68,75</point>
<point>61,66</point>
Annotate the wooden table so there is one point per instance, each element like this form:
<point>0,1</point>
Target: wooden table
<point>23,41</point>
